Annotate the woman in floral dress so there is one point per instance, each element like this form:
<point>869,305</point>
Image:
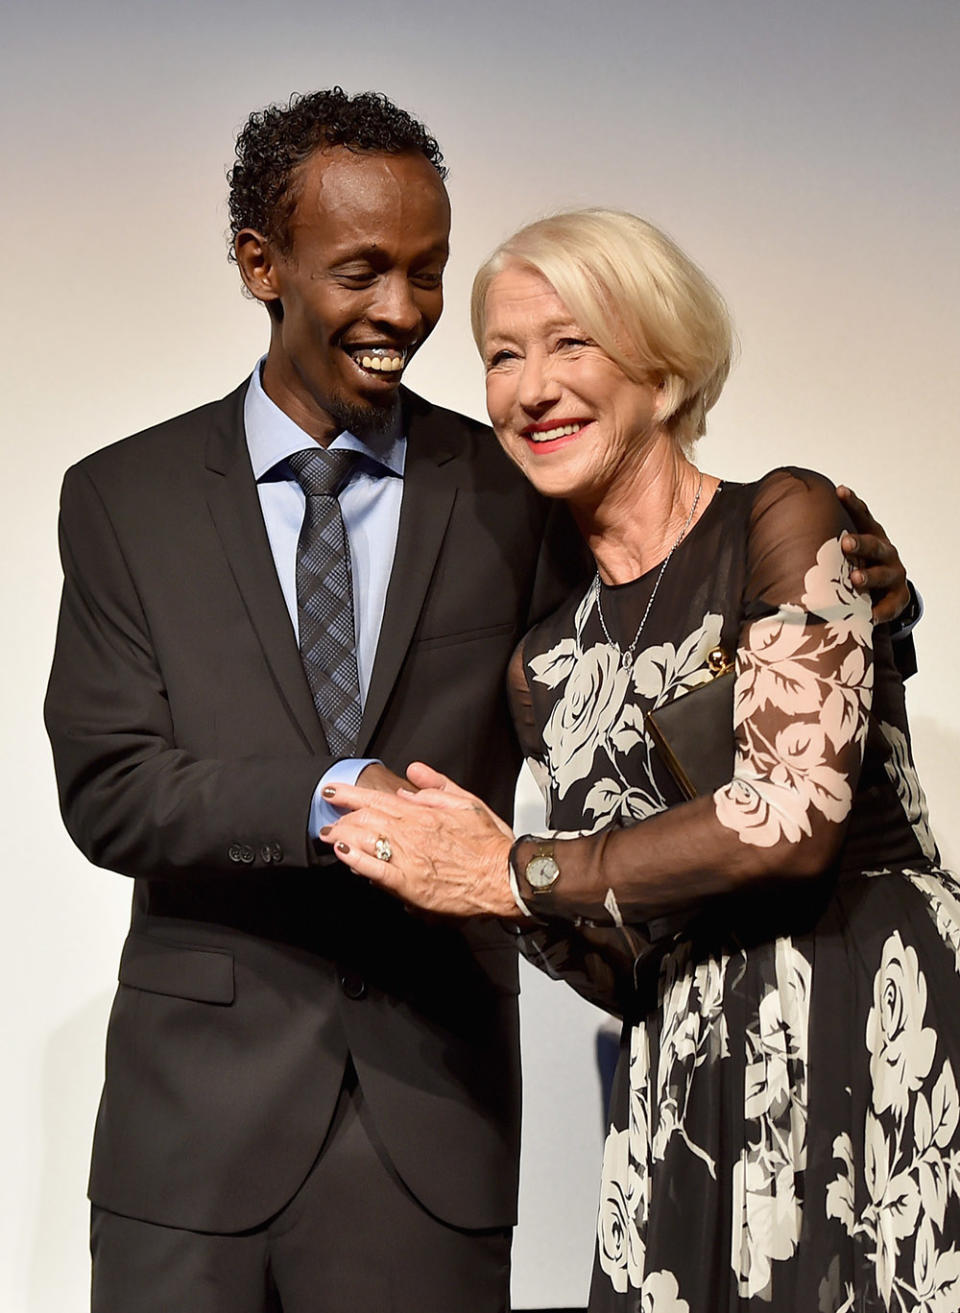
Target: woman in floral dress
<point>783,948</point>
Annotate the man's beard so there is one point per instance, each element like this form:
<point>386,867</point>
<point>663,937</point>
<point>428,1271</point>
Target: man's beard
<point>364,419</point>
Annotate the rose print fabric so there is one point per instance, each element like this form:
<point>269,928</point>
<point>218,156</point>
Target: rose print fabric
<point>784,1131</point>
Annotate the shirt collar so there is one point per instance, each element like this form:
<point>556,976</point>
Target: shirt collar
<point>272,436</point>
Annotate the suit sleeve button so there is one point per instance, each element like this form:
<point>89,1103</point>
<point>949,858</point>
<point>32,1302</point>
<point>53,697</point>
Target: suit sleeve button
<point>353,985</point>
<point>247,854</point>
<point>266,854</point>
<point>276,852</point>
<point>233,852</point>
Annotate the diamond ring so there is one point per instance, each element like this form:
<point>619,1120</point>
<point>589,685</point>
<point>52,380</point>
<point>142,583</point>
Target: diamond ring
<point>382,849</point>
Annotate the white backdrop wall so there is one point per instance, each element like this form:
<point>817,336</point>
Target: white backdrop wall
<point>807,157</point>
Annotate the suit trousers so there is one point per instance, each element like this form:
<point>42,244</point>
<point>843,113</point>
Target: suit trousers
<point>352,1240</point>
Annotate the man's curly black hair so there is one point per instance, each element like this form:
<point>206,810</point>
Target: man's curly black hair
<point>275,141</point>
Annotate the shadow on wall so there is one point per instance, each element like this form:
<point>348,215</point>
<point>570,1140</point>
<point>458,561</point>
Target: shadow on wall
<point>608,1053</point>
<point>59,1272</point>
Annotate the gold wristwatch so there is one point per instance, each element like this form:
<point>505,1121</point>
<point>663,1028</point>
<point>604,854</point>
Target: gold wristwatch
<point>541,871</point>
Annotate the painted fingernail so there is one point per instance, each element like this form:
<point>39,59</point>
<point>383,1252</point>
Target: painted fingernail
<point>328,791</point>
<point>325,830</point>
<point>341,847</point>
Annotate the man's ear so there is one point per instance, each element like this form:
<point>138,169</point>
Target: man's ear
<point>258,266</point>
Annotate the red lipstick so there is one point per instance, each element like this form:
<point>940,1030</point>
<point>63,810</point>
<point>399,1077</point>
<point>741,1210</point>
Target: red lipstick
<point>541,446</point>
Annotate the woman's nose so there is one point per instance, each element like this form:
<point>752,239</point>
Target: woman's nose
<point>537,389</point>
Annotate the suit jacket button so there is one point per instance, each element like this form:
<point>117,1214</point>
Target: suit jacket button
<point>247,855</point>
<point>233,852</point>
<point>352,984</point>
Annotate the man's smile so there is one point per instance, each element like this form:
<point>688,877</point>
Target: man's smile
<point>378,359</point>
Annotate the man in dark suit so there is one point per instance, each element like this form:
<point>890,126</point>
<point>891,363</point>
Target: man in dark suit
<point>312,1097</point>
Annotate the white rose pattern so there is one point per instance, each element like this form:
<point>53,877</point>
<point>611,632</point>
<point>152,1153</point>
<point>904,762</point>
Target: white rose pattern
<point>592,728</point>
<point>661,1294</point>
<point>802,705</point>
<point>911,1159</point>
<point>901,1048</point>
<point>617,1232</point>
<point>941,893</point>
<point>902,772</point>
<point>767,1214</point>
<point>583,718</point>
<point>693,1034</point>
<point>802,696</point>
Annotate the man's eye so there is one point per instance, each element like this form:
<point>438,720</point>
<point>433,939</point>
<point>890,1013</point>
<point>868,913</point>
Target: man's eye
<point>430,279</point>
<point>356,277</point>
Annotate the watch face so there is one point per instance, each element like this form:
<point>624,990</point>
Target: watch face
<point>541,872</point>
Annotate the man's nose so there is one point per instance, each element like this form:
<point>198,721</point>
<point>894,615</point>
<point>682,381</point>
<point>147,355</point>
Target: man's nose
<point>395,305</point>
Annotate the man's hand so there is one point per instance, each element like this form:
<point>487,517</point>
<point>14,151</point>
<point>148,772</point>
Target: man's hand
<point>380,777</point>
<point>877,565</point>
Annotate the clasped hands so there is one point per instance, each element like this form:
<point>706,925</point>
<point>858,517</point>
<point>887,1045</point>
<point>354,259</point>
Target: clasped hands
<point>449,852</point>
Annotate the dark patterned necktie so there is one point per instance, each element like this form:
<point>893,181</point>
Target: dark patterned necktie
<point>328,646</point>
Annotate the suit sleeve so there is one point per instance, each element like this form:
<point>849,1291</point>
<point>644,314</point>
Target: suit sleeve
<point>131,799</point>
<point>901,632</point>
<point>904,655</point>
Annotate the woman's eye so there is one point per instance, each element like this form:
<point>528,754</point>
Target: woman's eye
<point>499,357</point>
<point>573,342</point>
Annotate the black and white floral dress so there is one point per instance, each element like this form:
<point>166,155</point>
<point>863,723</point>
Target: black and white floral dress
<point>784,1131</point>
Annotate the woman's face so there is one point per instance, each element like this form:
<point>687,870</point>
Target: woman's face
<point>562,409</point>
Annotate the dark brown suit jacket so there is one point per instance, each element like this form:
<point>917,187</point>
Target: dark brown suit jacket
<point>187,752</point>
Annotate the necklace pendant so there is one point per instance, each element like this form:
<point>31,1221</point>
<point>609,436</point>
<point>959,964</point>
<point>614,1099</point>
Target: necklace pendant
<point>628,659</point>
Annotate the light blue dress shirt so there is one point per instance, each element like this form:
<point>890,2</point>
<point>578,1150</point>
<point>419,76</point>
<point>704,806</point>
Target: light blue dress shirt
<point>370,505</point>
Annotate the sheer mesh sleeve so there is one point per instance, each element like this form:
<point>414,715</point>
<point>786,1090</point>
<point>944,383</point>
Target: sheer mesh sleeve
<point>802,699</point>
<point>598,961</point>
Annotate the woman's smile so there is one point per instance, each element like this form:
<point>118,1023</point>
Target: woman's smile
<point>563,410</point>
<point>553,434</point>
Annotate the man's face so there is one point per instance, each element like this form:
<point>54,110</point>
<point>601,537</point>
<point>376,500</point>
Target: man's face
<point>360,289</point>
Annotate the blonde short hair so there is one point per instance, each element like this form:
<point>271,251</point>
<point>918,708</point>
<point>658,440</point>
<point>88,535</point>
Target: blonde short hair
<point>638,297</point>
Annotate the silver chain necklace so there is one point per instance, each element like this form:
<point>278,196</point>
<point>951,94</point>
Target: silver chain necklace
<point>626,654</point>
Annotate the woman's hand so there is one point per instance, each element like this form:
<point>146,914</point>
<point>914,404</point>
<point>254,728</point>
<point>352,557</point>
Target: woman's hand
<point>879,570</point>
<point>448,852</point>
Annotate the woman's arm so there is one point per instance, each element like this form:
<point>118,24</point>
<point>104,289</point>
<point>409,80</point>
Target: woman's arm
<point>802,698</point>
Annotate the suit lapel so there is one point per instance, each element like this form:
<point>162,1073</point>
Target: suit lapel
<point>235,507</point>
<point>429,491</point>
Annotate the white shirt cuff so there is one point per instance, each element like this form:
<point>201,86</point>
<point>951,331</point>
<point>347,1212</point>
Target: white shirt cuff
<point>346,771</point>
<point>515,890</point>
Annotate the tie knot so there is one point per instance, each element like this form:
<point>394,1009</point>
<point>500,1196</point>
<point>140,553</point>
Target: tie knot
<point>322,473</point>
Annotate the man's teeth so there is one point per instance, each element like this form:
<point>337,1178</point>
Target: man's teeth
<point>381,362</point>
<point>549,435</point>
<point>385,363</point>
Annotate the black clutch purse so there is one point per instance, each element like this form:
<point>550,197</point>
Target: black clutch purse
<point>694,733</point>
